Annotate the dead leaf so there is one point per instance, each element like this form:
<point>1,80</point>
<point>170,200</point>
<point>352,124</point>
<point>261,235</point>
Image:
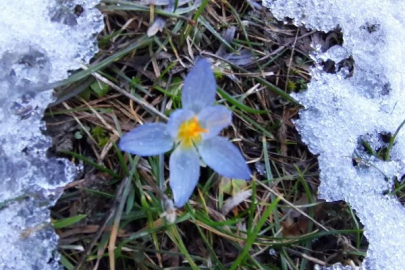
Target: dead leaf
<point>235,200</point>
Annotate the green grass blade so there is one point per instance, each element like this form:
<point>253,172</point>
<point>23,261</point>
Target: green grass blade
<point>387,155</point>
<point>252,235</point>
<point>207,25</point>
<point>236,103</point>
<point>140,42</point>
<point>66,263</point>
<point>66,222</point>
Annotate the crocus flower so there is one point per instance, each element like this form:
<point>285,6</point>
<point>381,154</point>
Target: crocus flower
<point>193,133</point>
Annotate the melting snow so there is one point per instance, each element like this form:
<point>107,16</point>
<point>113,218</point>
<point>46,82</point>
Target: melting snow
<point>341,111</point>
<point>40,41</point>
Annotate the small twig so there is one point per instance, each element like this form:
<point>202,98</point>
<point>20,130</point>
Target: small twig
<point>269,85</point>
<point>292,205</point>
<point>305,256</point>
<point>141,102</point>
<point>80,124</point>
<point>290,61</point>
<point>100,118</point>
<point>114,232</point>
<point>103,223</point>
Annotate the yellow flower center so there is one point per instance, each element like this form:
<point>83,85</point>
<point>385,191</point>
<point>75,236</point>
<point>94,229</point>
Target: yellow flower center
<point>190,132</point>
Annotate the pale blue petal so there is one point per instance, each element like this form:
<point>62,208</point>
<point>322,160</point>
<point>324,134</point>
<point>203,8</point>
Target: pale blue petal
<point>176,119</point>
<point>199,87</point>
<point>224,158</point>
<point>147,140</point>
<point>184,167</point>
<point>214,119</point>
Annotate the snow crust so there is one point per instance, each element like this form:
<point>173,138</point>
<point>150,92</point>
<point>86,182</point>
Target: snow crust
<point>40,41</point>
<point>340,111</point>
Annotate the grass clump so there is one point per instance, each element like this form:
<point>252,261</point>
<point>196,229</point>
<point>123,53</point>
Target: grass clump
<point>116,213</point>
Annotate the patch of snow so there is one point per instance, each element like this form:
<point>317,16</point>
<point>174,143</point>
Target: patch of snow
<point>337,266</point>
<point>40,41</point>
<point>340,111</point>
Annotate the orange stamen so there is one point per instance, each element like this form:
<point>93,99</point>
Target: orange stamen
<point>190,132</point>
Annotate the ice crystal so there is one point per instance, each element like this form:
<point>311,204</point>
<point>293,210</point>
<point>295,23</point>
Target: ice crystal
<point>343,111</point>
<point>40,41</point>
